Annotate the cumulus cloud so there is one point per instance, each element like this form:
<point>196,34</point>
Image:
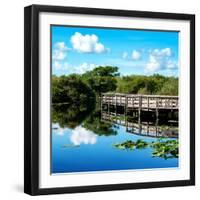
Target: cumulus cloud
<point>171,64</point>
<point>57,65</point>
<point>124,55</point>
<point>58,55</point>
<point>162,52</point>
<point>65,67</point>
<point>136,55</point>
<point>58,130</point>
<point>82,136</point>
<point>87,43</point>
<point>153,64</point>
<point>61,46</point>
<point>60,51</point>
<point>160,59</point>
<point>84,67</point>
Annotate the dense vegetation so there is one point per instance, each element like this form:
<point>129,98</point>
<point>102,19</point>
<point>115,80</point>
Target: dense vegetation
<point>83,89</point>
<point>70,89</point>
<point>97,126</point>
<point>73,115</point>
<point>101,79</point>
<point>155,84</point>
<point>70,115</point>
<point>161,148</point>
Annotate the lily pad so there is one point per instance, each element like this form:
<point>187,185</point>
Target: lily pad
<point>161,148</point>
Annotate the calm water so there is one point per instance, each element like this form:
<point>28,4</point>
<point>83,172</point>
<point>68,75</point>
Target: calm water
<point>87,145</point>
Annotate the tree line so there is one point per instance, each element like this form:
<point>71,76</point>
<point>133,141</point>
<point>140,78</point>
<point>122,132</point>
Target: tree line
<point>85,88</point>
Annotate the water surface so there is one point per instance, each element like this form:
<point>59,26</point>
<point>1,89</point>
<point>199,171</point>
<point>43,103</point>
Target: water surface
<point>88,145</point>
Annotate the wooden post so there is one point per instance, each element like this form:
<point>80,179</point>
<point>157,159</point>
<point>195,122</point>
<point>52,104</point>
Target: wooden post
<point>139,124</point>
<point>115,105</point>
<point>157,113</point>
<point>101,101</point>
<point>139,109</point>
<point>148,128</point>
<point>132,101</point>
<point>157,132</point>
<point>109,107</point>
<point>125,105</point>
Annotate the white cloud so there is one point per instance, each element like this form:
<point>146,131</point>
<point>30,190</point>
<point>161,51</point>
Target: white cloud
<point>87,43</point>
<point>82,136</point>
<point>66,68</point>
<point>136,55</point>
<point>171,64</point>
<point>58,130</point>
<point>162,52</point>
<point>124,55</point>
<point>61,46</point>
<point>57,65</point>
<point>160,59</point>
<point>60,66</point>
<point>60,51</point>
<point>153,64</point>
<point>84,67</point>
<point>59,55</point>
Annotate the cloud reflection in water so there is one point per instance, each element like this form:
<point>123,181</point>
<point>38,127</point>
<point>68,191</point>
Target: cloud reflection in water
<point>82,136</point>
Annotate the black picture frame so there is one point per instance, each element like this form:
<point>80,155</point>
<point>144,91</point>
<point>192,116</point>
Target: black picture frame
<point>31,98</point>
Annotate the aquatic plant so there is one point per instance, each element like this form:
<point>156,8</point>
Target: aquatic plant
<point>161,148</point>
<point>130,145</point>
<point>141,144</point>
<point>165,149</point>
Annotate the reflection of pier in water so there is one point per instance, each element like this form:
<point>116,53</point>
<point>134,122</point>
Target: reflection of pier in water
<point>117,106</point>
<point>145,128</point>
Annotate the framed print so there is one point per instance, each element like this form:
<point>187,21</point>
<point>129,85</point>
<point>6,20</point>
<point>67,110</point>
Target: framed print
<point>109,100</point>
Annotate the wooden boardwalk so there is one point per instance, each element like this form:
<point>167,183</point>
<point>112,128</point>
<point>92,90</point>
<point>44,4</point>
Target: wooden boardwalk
<point>141,102</point>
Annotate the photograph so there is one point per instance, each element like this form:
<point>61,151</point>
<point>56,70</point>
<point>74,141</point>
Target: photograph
<point>114,99</point>
<point>109,99</point>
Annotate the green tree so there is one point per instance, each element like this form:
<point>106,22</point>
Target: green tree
<point>155,84</point>
<point>71,89</point>
<point>102,79</point>
<point>170,87</point>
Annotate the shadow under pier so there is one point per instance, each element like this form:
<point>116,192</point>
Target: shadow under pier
<point>146,114</point>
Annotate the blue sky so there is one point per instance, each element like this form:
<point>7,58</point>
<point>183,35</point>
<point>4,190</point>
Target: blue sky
<point>79,49</point>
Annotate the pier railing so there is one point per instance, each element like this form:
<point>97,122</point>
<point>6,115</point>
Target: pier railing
<point>141,101</point>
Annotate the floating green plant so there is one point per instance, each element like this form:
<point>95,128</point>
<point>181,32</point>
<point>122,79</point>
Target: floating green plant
<point>141,144</point>
<point>130,145</point>
<point>165,149</point>
<point>161,148</point>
